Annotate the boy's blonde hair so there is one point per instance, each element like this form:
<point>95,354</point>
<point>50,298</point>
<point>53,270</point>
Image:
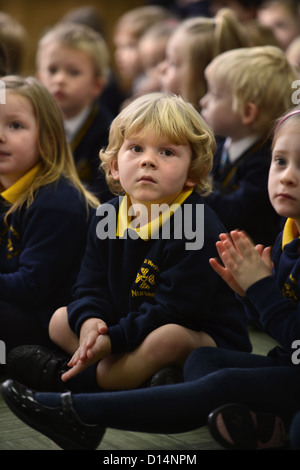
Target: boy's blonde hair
<point>259,75</point>
<point>82,38</point>
<point>56,158</point>
<point>168,116</point>
<point>204,39</point>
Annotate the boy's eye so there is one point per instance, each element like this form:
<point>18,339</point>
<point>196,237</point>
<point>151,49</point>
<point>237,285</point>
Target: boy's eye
<point>136,148</point>
<point>168,152</point>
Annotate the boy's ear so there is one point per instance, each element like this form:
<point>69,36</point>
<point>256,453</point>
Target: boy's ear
<point>190,183</point>
<point>114,169</point>
<point>250,113</point>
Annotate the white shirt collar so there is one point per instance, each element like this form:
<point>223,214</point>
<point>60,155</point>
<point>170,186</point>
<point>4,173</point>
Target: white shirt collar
<point>236,149</point>
<point>73,125</point>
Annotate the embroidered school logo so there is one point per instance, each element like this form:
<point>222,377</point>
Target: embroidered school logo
<point>146,280</point>
<point>13,243</point>
<point>2,92</point>
<point>289,289</point>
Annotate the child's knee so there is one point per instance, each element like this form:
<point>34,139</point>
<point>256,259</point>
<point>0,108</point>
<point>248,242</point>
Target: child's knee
<point>58,323</point>
<point>169,343</point>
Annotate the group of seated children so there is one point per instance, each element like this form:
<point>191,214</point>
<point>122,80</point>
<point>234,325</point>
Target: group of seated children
<point>111,224</point>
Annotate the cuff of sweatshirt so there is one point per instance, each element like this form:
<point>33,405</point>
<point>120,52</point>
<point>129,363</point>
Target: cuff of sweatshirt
<point>264,293</point>
<point>76,321</point>
<point>117,339</point>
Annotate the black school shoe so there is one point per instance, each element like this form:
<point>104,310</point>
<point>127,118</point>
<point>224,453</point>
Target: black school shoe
<point>167,376</point>
<point>37,367</point>
<point>234,426</point>
<point>61,424</point>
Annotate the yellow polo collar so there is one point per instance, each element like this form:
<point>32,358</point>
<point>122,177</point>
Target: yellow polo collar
<point>144,232</point>
<point>13,193</point>
<point>290,232</point>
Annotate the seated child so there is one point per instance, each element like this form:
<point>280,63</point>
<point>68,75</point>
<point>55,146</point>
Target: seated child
<point>240,108</point>
<point>192,46</point>
<point>146,295</point>
<point>282,17</point>
<point>45,213</point>
<point>13,37</point>
<point>112,95</point>
<point>72,62</point>
<point>128,30</point>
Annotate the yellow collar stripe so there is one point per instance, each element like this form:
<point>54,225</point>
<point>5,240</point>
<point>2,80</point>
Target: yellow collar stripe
<point>144,232</point>
<point>13,193</point>
<point>290,232</point>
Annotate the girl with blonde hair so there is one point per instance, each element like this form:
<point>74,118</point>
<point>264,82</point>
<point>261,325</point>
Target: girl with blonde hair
<point>192,46</point>
<point>45,212</point>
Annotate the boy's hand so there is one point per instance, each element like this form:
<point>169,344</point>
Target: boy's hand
<point>94,345</point>
<point>89,332</point>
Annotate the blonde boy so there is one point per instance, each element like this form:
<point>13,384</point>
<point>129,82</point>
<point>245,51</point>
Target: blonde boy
<point>248,89</point>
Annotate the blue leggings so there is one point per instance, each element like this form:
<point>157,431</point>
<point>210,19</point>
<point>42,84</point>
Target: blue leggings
<point>212,377</point>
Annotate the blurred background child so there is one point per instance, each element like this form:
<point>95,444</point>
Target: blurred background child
<point>129,29</point>
<point>293,54</point>
<point>72,62</point>
<point>112,95</point>
<point>247,90</point>
<point>192,46</point>
<point>152,52</point>
<point>14,38</point>
<point>283,17</point>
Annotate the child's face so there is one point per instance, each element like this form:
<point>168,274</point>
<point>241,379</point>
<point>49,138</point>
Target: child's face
<point>174,69</point>
<point>127,55</point>
<point>216,109</point>
<point>284,175</point>
<point>283,24</point>
<point>152,170</point>
<point>18,139</point>
<point>69,75</point>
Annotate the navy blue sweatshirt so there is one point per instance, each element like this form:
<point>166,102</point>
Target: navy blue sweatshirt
<point>273,302</point>
<point>137,285</point>
<point>41,248</point>
<point>91,137</point>
<point>240,196</point>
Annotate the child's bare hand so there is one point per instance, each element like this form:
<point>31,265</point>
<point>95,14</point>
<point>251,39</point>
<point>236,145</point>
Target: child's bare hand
<point>247,263</point>
<point>89,332</point>
<point>101,348</point>
<point>223,271</point>
<point>243,263</point>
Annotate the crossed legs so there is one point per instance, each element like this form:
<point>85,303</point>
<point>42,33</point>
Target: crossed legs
<point>168,345</point>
